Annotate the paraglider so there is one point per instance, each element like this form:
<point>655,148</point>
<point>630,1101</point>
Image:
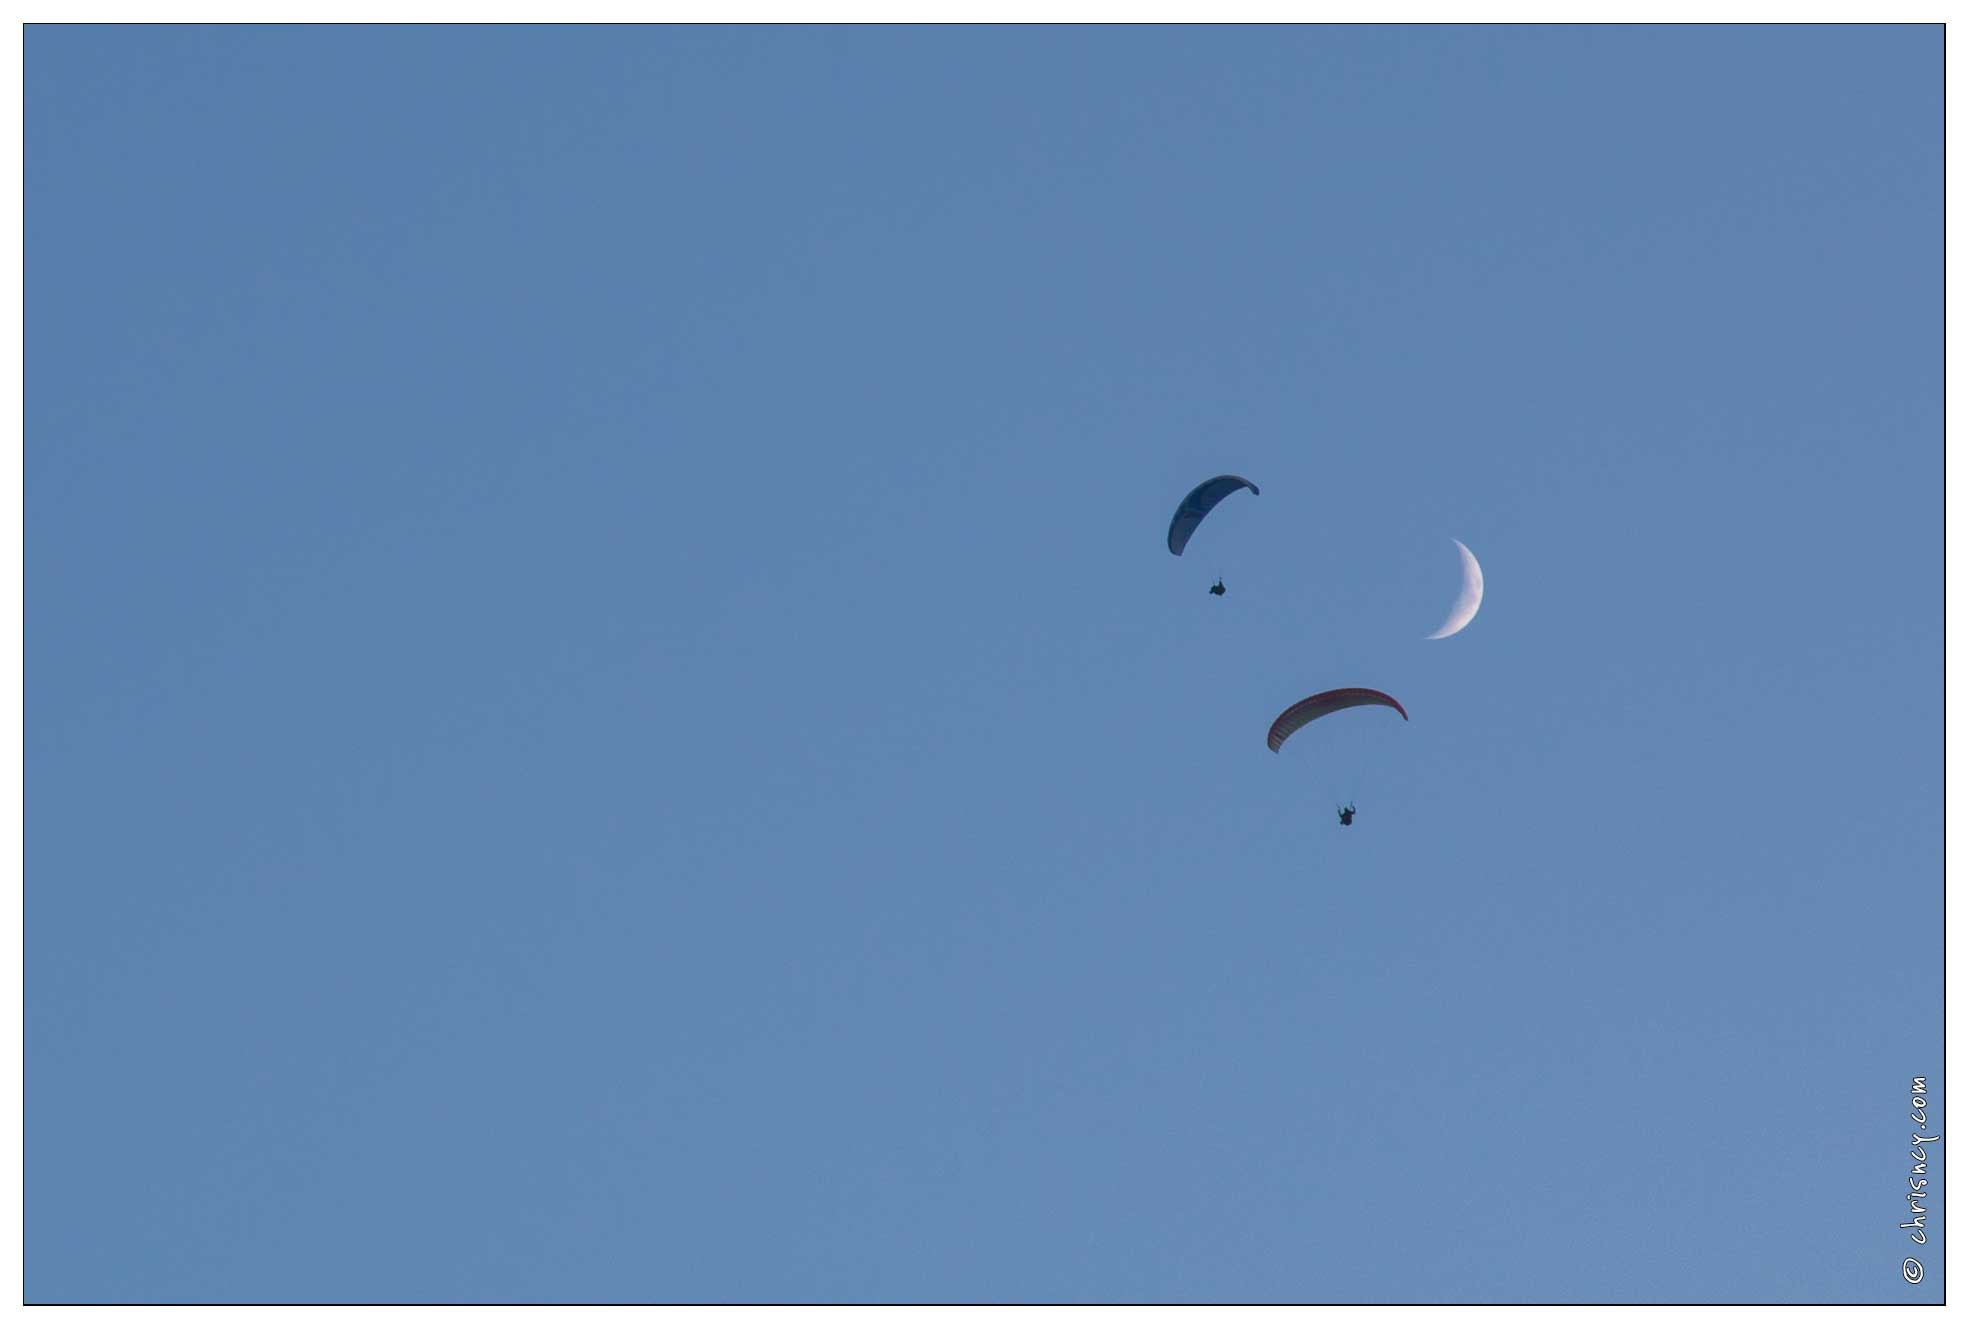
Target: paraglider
<point>1196,505</point>
<point>1218,589</point>
<point>1321,704</point>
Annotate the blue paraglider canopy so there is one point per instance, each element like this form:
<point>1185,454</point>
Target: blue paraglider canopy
<point>1197,504</point>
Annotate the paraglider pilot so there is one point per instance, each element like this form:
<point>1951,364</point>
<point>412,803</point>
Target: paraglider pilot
<point>1218,589</point>
<point>1347,815</point>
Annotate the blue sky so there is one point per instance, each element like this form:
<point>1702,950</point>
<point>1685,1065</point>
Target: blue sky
<point>607,717</point>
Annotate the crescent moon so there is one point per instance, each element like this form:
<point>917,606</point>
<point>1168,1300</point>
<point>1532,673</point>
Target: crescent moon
<point>1467,599</point>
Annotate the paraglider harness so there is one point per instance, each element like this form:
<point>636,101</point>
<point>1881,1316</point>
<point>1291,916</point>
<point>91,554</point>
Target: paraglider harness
<point>1218,589</point>
<point>1347,815</point>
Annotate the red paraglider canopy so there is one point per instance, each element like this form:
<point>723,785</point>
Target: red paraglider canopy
<point>1302,713</point>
